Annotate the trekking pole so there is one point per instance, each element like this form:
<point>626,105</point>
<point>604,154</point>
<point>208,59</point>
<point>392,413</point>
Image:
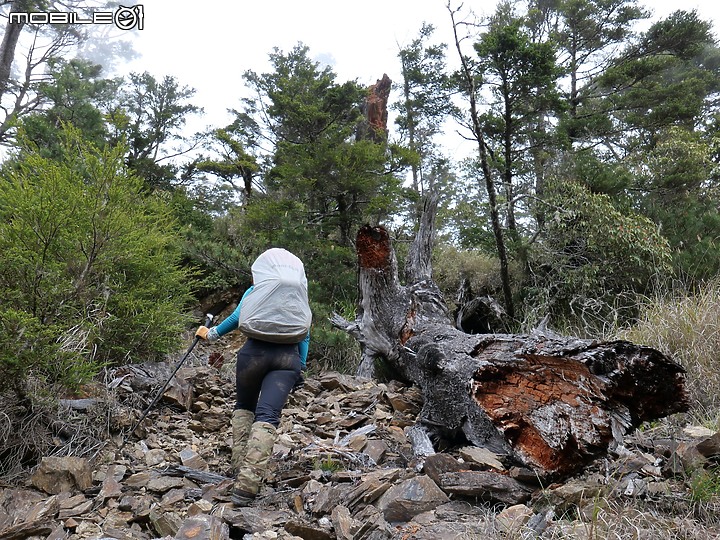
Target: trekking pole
<point>208,320</point>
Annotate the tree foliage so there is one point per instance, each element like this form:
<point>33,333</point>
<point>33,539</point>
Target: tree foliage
<point>423,108</point>
<point>567,92</point>
<point>666,79</point>
<point>233,163</point>
<point>150,117</point>
<point>309,122</point>
<point>522,78</point>
<point>78,94</point>
<point>680,195</point>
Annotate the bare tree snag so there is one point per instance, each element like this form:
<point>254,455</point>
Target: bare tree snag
<point>547,402</point>
<point>375,110</point>
<point>419,267</point>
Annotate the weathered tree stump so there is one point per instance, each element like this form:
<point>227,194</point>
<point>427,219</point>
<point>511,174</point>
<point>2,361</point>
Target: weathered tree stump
<point>548,402</point>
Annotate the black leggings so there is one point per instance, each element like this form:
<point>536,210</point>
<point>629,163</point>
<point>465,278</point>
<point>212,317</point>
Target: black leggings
<point>264,375</point>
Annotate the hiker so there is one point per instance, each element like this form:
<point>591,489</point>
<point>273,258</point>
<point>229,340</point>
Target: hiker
<point>275,316</point>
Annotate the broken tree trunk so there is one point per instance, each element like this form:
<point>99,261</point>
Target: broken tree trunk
<point>548,402</point>
<point>375,111</point>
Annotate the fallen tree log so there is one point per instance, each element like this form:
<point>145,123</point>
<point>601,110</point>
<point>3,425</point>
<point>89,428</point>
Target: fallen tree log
<point>547,402</point>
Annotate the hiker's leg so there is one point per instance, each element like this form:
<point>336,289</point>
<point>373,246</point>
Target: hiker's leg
<point>242,421</point>
<point>254,391</point>
<point>251,473</point>
<point>255,463</point>
<point>250,370</point>
<point>274,393</point>
<point>275,389</point>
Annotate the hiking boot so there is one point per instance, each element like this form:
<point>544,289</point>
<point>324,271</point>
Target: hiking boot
<point>242,421</point>
<point>255,463</point>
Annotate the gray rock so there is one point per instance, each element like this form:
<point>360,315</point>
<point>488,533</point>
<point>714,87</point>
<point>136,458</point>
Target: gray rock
<point>486,485</point>
<point>404,501</point>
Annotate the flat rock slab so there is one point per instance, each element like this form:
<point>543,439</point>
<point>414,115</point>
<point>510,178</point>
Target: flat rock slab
<point>486,485</point>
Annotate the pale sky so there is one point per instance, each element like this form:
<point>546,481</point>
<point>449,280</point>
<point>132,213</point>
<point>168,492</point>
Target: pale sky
<point>209,48</point>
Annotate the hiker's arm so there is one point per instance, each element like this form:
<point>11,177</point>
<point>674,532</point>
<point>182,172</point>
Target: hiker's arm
<point>303,350</point>
<point>228,325</point>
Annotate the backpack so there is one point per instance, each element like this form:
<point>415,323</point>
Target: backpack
<point>276,309</point>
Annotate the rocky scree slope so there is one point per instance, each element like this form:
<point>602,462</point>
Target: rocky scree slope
<point>346,466</point>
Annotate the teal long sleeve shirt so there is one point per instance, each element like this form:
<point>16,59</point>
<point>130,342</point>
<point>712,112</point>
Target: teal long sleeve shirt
<point>231,323</point>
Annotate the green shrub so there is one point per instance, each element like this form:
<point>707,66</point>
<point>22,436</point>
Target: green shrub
<point>28,346</point>
<point>592,260</point>
<point>452,266</point>
<point>90,262</point>
<point>328,465</point>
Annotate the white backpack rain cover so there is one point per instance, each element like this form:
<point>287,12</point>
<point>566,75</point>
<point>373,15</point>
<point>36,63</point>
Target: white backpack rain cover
<point>277,308</point>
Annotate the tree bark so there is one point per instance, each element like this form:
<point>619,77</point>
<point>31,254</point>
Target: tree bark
<point>547,402</point>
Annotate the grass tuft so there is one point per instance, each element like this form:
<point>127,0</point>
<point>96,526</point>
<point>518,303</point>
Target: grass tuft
<point>687,327</point>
